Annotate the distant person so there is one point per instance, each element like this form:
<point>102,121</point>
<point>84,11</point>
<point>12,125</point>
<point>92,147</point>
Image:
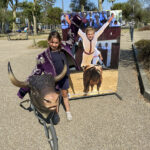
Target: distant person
<point>103,18</point>
<point>108,16</point>
<point>115,24</point>
<point>131,24</point>
<point>64,24</point>
<point>84,20</point>
<point>40,28</point>
<point>106,47</point>
<point>89,41</point>
<point>99,46</point>
<point>65,28</point>
<point>96,22</point>
<point>89,15</point>
<point>31,28</point>
<point>26,29</point>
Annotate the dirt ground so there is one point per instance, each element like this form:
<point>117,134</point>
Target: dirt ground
<point>99,123</point>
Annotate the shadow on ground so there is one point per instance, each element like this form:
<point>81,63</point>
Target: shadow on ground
<point>127,58</point>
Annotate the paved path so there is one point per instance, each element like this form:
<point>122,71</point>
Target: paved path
<point>101,123</point>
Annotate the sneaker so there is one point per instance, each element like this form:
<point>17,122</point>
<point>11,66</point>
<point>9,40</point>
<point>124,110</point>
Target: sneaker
<point>104,67</point>
<point>69,95</point>
<point>55,119</point>
<point>69,116</point>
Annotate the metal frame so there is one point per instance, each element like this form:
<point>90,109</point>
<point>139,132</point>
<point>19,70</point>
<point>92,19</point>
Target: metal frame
<point>46,122</point>
<point>96,95</point>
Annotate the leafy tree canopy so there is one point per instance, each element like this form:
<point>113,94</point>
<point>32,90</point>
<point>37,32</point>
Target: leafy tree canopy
<point>53,15</point>
<point>75,5</point>
<point>130,10</point>
<point>3,3</point>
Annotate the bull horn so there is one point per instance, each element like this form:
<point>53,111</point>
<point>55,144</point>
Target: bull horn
<point>62,74</point>
<point>14,80</point>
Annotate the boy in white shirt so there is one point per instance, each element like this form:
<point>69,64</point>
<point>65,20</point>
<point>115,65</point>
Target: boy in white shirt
<point>89,41</point>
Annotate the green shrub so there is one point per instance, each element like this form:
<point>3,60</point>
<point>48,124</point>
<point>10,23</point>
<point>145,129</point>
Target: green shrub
<point>42,44</point>
<point>143,47</point>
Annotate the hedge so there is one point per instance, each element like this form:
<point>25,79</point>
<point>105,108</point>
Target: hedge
<point>143,47</point>
<point>42,44</point>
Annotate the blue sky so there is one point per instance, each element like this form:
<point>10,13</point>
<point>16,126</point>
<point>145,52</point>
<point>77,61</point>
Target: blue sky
<point>106,4</point>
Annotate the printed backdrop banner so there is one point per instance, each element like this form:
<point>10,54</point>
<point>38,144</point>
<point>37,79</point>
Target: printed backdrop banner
<point>101,76</point>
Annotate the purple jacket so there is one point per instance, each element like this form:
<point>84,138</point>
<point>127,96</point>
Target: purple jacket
<point>44,61</point>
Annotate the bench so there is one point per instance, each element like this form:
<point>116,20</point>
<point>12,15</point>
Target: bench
<point>17,36</point>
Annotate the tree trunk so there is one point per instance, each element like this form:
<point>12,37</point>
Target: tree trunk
<point>82,8</point>
<point>3,20</point>
<point>14,19</point>
<point>3,27</point>
<point>100,5</point>
<point>35,25</point>
<point>29,26</point>
<point>34,18</point>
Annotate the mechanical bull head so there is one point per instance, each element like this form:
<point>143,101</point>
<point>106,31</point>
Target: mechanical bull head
<point>42,89</point>
<point>92,76</point>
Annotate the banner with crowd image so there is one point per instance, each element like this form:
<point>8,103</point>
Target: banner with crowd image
<point>102,76</point>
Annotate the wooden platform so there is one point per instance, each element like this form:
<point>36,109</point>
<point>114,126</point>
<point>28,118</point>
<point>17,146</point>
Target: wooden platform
<point>109,84</point>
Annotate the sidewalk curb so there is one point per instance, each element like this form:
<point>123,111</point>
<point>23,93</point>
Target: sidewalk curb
<point>143,80</point>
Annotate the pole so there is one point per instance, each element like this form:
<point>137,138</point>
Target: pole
<point>100,5</point>
<point>133,11</point>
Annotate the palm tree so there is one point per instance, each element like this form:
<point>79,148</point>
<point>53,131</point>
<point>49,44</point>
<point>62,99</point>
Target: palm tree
<point>34,17</point>
<point>13,4</point>
<point>100,5</point>
<point>36,5</point>
<point>82,5</point>
<point>3,6</point>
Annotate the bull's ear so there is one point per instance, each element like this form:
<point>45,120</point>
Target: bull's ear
<point>14,80</point>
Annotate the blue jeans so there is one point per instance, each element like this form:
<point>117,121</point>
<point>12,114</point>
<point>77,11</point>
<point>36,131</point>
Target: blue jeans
<point>131,33</point>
